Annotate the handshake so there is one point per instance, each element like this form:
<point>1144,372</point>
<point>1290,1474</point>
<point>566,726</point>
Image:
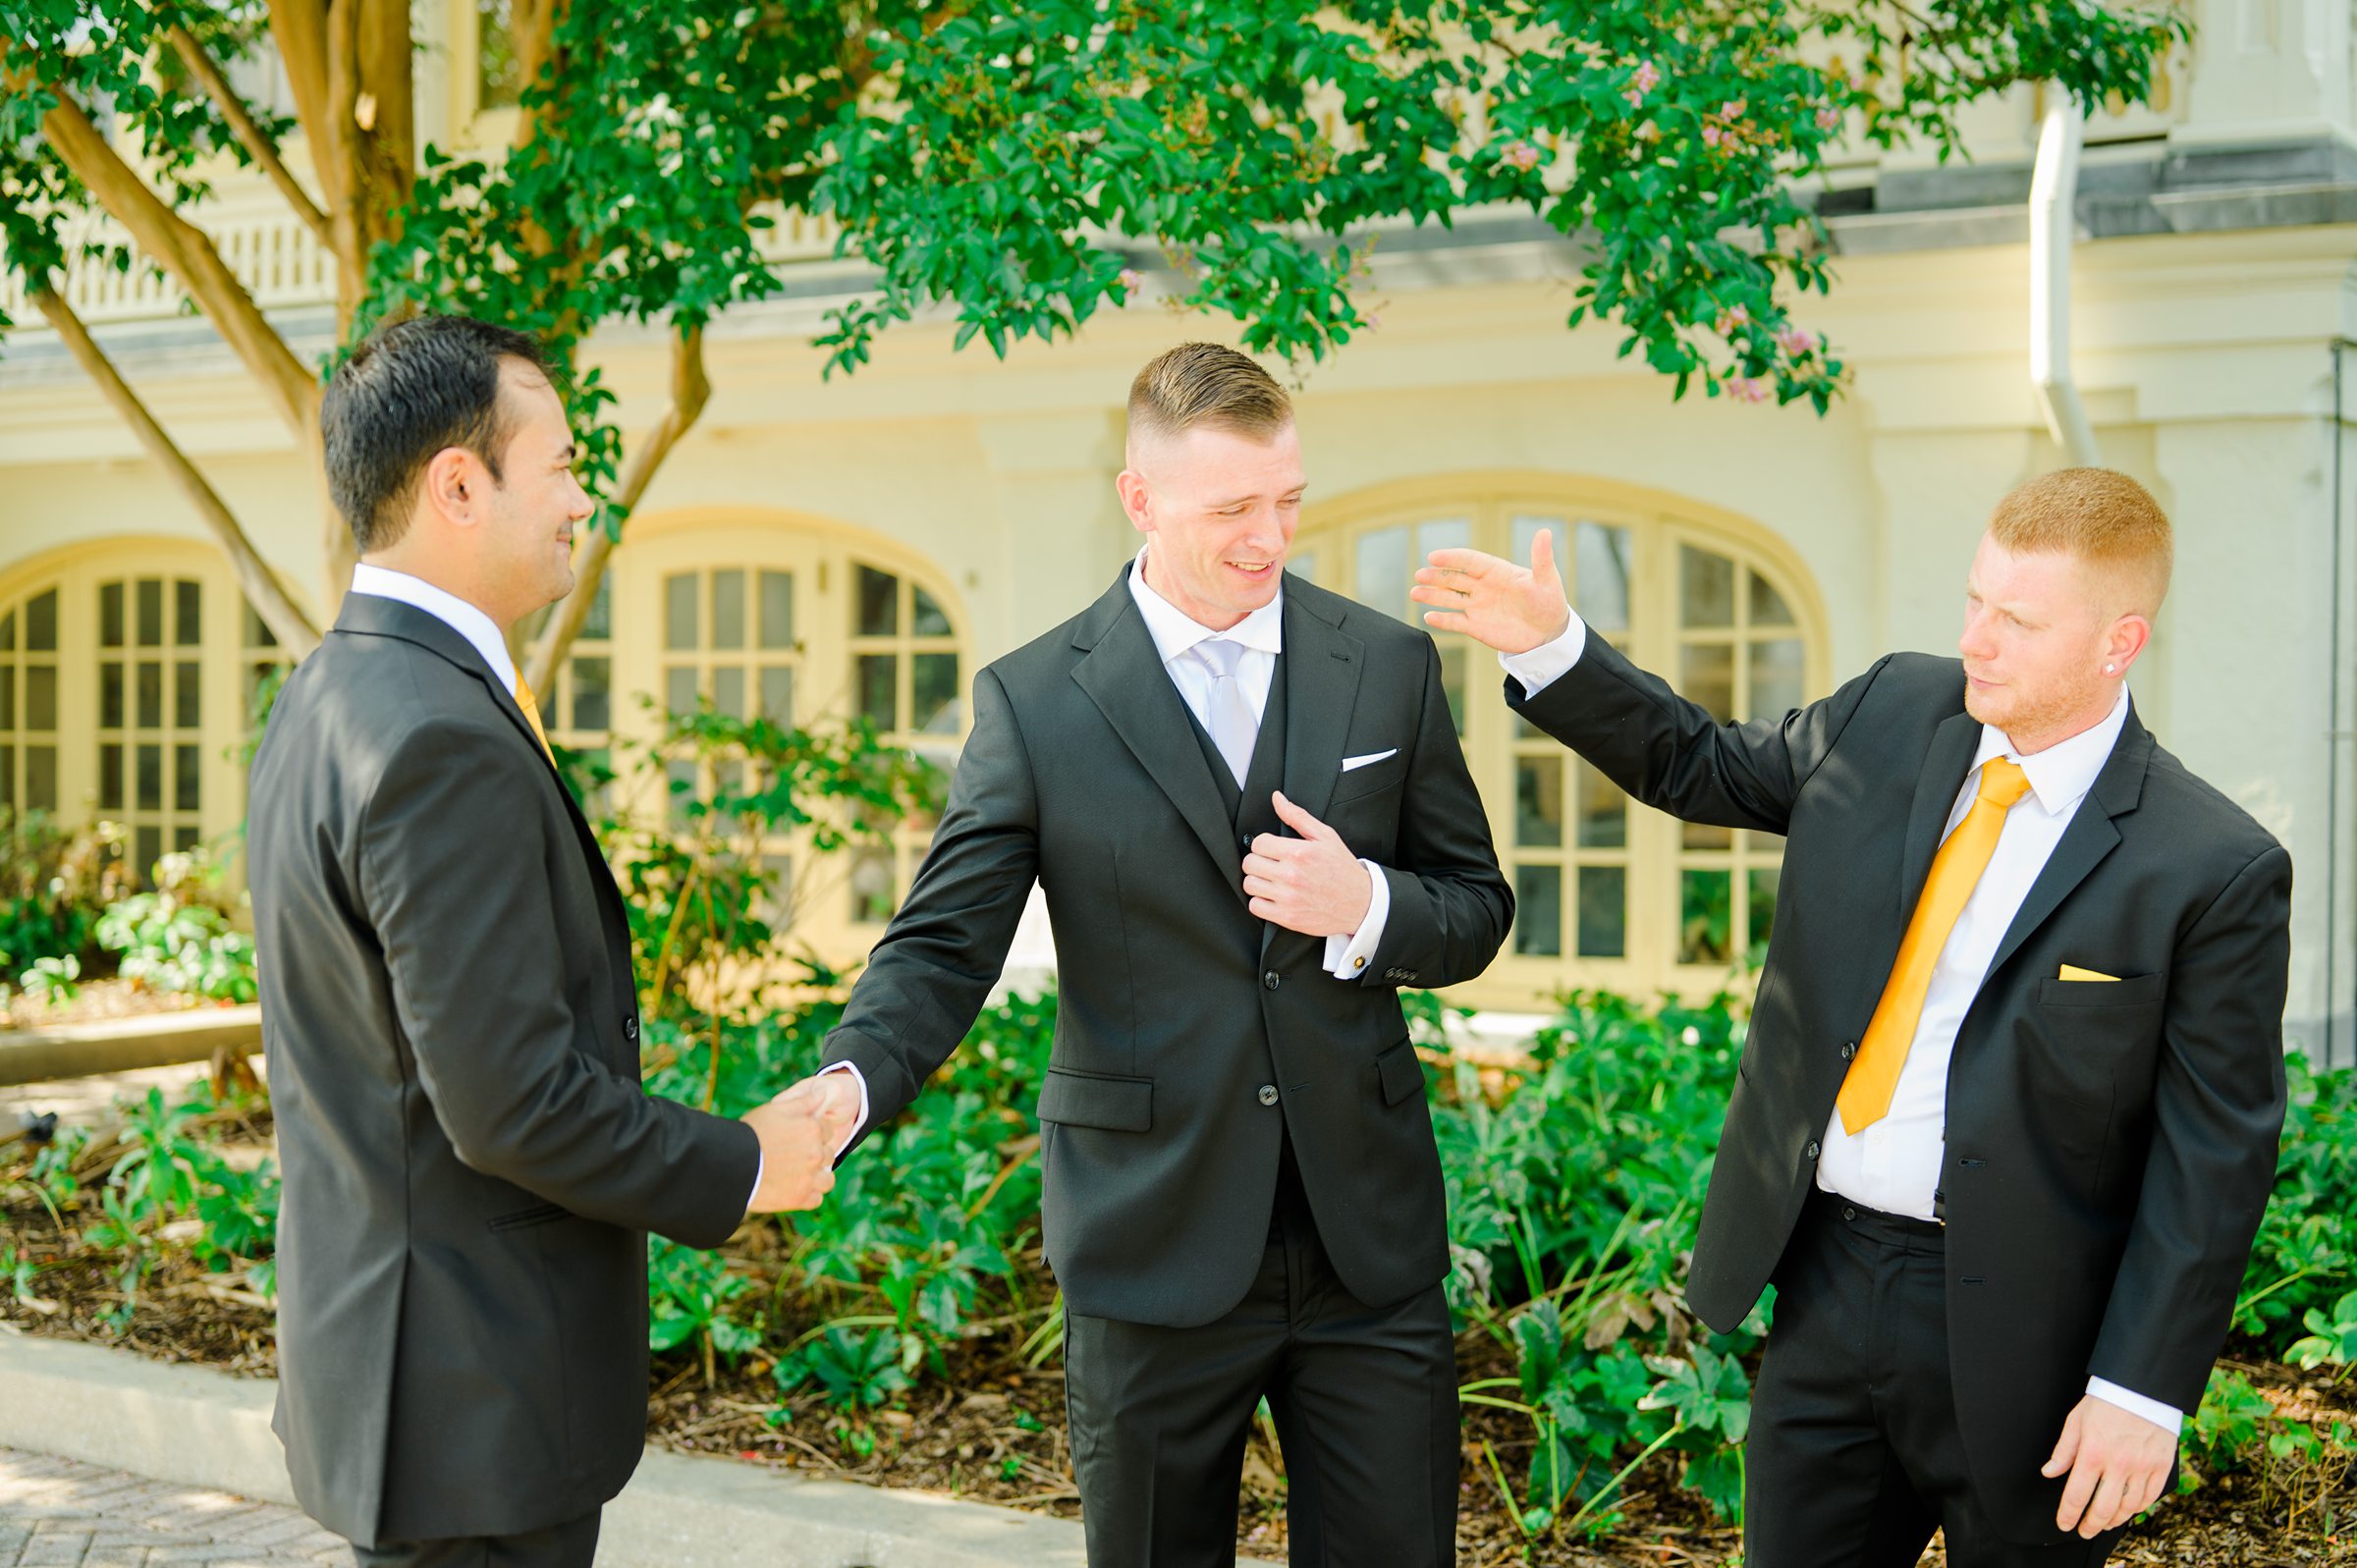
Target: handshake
<point>802,1131</point>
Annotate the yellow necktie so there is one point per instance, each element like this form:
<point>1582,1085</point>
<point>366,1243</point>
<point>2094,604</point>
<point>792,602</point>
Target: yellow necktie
<point>532,713</point>
<point>1865,1093</point>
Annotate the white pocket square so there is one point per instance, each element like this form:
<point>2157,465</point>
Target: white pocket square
<point>1348,763</point>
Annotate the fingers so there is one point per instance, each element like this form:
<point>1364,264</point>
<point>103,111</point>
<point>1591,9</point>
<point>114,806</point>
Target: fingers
<point>2105,1504</point>
<point>1301,822</point>
<point>2076,1493</point>
<point>2067,1449</point>
<point>1542,553</point>
<point>1472,563</point>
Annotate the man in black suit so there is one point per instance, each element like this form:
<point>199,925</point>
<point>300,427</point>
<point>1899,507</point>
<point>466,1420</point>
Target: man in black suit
<point>2006,1115</point>
<point>449,1014</point>
<point>1245,801</point>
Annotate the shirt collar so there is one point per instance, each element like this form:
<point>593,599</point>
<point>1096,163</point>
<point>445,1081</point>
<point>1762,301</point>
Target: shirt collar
<point>2061,774</point>
<point>467,620</point>
<point>1174,631</point>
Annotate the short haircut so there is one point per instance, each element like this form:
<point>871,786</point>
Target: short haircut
<point>410,390</point>
<point>1206,385</point>
<point>2104,520</point>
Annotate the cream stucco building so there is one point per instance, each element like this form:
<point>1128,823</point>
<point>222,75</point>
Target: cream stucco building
<point>822,548</point>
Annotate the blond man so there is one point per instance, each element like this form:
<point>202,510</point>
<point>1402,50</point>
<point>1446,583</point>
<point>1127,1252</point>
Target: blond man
<point>2007,1116</point>
<point>1245,799</point>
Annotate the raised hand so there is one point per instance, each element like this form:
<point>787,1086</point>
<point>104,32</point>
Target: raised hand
<point>800,1131</point>
<point>1512,609</point>
<point>1313,884</point>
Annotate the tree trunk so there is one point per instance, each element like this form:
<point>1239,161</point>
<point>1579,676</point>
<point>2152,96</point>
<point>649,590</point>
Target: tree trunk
<point>286,620</point>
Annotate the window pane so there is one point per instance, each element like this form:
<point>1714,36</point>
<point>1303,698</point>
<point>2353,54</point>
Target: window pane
<point>678,690</point>
<point>1706,588</point>
<point>1455,656</point>
<point>8,696</point>
<point>592,693</point>
<point>878,702</point>
<point>679,611</point>
<point>728,608</point>
<point>8,776</point>
<point>777,694</point>
<point>728,690</point>
<point>777,610</point>
<point>1538,911</point>
<point>150,601</point>
<point>8,631</point>
<point>1603,911</point>
<point>148,848</point>
<point>1303,563</point>
<point>1381,573</point>
<point>1539,801</point>
<point>1600,575</point>
<point>872,901</point>
<point>184,839</point>
<point>188,696</point>
<point>1446,533</point>
<point>1763,914</point>
<point>150,779</point>
<point>598,624</point>
<point>110,777</point>
<point>185,779</point>
<point>1603,811</point>
<point>41,697</point>
<point>188,621</point>
<point>1776,687</point>
<point>41,624</point>
<point>110,615</point>
<point>879,602</point>
<point>927,620</point>
<point>679,778</point>
<point>1705,906</point>
<point>40,778</point>
<point>1705,835</point>
<point>1705,674</point>
<point>1528,529</point>
<point>110,697</point>
<point>1768,607</point>
<point>257,630</point>
<point>151,695</point>
<point>776,907</point>
<point>933,694</point>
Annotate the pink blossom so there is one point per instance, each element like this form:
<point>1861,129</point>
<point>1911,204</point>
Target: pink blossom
<point>1828,117</point>
<point>1522,155</point>
<point>1646,78</point>
<point>1729,319</point>
<point>1743,389</point>
<point>1797,343</point>
<point>1711,135</point>
<point>1130,279</point>
<point>1733,109</point>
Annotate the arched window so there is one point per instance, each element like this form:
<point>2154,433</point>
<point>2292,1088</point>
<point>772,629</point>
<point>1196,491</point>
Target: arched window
<point>1606,895</point>
<point>795,619</point>
<point>127,675</point>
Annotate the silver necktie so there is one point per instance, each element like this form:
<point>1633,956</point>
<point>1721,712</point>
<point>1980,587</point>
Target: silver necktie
<point>1228,716</point>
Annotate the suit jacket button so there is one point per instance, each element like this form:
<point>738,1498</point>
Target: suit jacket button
<point>1849,1048</point>
<point>1268,1094</point>
<point>629,1029</point>
<point>1811,1152</point>
<point>1270,982</point>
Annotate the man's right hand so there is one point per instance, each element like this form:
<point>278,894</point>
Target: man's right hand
<point>1512,609</point>
<point>799,1131</point>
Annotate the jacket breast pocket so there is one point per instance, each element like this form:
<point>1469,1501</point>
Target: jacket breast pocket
<point>2129,991</point>
<point>1398,1072</point>
<point>1093,1100</point>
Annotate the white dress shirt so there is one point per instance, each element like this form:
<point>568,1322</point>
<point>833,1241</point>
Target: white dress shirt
<point>1262,635</point>
<point>1893,1164</point>
<point>467,620</point>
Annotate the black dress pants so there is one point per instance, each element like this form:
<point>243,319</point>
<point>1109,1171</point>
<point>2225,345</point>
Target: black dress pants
<point>566,1546</point>
<point>1365,1403</point>
<point>1855,1457</point>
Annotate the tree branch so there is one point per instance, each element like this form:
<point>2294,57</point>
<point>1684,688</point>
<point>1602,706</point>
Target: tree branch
<point>286,620</point>
<point>690,389</point>
<point>184,251</point>
<point>299,27</point>
<point>248,133</point>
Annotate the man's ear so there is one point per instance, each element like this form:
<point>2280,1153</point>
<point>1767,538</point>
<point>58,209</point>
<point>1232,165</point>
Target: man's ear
<point>453,483</point>
<point>1138,499</point>
<point>2130,637</point>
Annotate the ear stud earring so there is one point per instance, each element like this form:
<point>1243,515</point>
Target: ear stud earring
<point>2108,668</point>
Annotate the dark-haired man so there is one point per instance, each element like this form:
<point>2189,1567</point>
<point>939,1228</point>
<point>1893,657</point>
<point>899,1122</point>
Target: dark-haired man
<point>448,1008</point>
<point>1245,799</point>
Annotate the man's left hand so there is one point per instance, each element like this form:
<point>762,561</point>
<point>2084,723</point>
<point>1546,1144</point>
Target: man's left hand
<point>2118,1461</point>
<point>1313,884</point>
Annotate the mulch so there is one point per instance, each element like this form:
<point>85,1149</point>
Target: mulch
<point>989,1426</point>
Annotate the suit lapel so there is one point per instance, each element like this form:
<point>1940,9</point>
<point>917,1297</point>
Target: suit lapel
<point>1123,676</point>
<point>1935,785</point>
<point>2092,835</point>
<point>1321,688</point>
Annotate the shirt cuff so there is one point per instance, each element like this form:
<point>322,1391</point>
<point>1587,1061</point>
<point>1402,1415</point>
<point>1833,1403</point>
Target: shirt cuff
<point>862,1122</point>
<point>1347,955</point>
<point>2168,1417</point>
<point>1535,667</point>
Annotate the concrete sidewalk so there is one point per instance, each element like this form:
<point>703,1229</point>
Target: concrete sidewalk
<point>61,1513</point>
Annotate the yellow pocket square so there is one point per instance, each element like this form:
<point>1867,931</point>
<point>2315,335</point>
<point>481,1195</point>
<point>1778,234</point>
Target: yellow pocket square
<point>2071,971</point>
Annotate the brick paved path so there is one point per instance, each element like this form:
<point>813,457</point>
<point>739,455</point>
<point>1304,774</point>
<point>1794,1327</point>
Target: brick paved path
<point>57,1513</point>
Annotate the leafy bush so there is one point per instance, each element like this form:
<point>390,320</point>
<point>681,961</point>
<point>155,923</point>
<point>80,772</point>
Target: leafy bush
<point>178,936</point>
<point>54,882</point>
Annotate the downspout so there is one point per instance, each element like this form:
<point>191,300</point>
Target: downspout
<point>2335,735</point>
<point>2054,191</point>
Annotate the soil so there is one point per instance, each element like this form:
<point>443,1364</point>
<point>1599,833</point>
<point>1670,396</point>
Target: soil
<point>989,1424</point>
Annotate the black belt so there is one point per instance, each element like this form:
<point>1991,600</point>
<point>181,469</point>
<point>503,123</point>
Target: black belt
<point>1831,1206</point>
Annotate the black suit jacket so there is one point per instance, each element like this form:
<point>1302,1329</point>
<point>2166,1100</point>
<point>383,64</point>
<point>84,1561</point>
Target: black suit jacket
<point>2110,1147</point>
<point>1175,1007</point>
<point>471,1164</point>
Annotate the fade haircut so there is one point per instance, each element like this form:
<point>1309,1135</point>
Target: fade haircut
<point>1206,385</point>
<point>412,390</point>
<point>2106,520</point>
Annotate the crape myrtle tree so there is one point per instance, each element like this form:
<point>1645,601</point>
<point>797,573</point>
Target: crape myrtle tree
<point>1013,167</point>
